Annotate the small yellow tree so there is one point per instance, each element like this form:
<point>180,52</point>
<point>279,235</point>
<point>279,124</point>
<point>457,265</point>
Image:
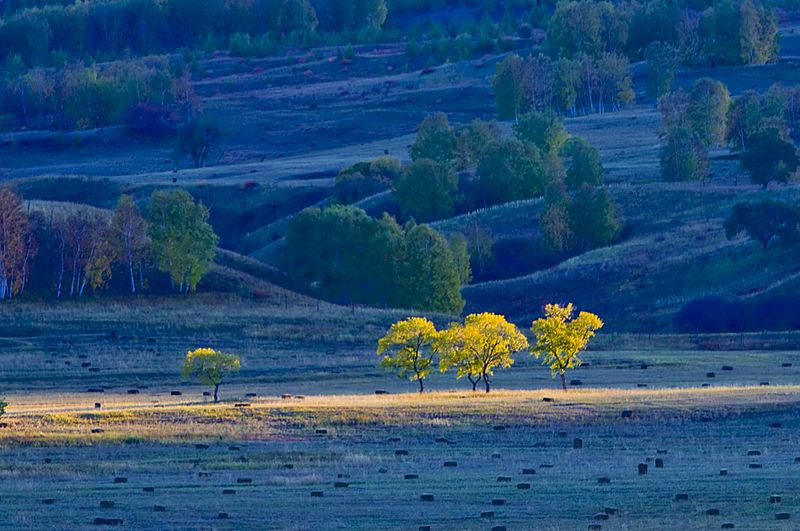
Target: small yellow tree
<point>484,342</point>
<point>408,349</point>
<point>210,367</point>
<point>560,338</point>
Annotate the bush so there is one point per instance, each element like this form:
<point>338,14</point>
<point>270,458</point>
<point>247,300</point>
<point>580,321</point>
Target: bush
<point>709,315</point>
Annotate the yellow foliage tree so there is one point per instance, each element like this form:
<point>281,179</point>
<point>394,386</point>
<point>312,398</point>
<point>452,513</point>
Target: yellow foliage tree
<point>560,338</point>
<point>210,367</point>
<point>408,349</point>
<point>484,342</point>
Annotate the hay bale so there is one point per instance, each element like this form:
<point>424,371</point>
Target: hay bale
<point>755,465</point>
<point>175,393</point>
<point>503,479</point>
<point>47,460</point>
<point>251,395</point>
<point>774,498</point>
<point>316,494</point>
<point>223,516</point>
<point>411,476</point>
<point>710,375</point>
<point>426,497</point>
<point>98,405</point>
<point>775,425</point>
<point>401,452</point>
<point>603,481</point>
<point>133,391</point>
<point>382,470</point>
<point>659,463</point>
<point>727,368</point>
<point>201,446</point>
<point>228,491</point>
<point>241,404</point>
<point>95,390</point>
<point>723,471</point>
<point>751,453</point>
<point>487,514</point>
<point>545,466</point>
<point>340,484</point>
<point>107,521</point>
<point>321,431</point>
<point>107,504</point>
<point>575,383</point>
<point>120,480</point>
<point>97,430</point>
<point>243,481</point>
<point>394,439</point>
<point>523,486</point>
<point>159,508</point>
<point>206,393</point>
<point>611,511</point>
<point>712,512</point>
<point>498,501</point>
<point>48,501</point>
<point>540,445</point>
<point>682,497</point>
<point>499,528</point>
<point>728,525</point>
<point>148,489</point>
<point>643,366</point>
<point>495,456</point>
<point>343,476</point>
<point>785,365</point>
<point>381,392</point>
<point>577,443</point>
<point>763,384</point>
<point>642,469</point>
<point>547,399</point>
<point>782,516</point>
<point>640,385</point>
<point>528,471</point>
<point>424,528</point>
<point>595,527</point>
<point>626,414</point>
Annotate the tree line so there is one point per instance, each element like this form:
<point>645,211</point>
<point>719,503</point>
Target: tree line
<point>485,342</point>
<point>56,33</point>
<point>69,251</point>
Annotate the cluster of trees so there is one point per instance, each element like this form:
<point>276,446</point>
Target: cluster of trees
<point>105,30</point>
<point>344,255</point>
<point>150,95</point>
<point>726,32</point>
<point>580,85</point>
<point>764,221</point>
<point>485,342</point>
<point>760,127</point>
<point>70,252</point>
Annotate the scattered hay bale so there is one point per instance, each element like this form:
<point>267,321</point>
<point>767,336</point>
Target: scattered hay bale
<point>175,393</point>
<point>401,452</point>
<point>661,452</point>
<point>47,460</point>
<point>48,501</point>
<point>540,445</point>
<point>159,508</point>
<point>523,486</point>
<point>321,431</point>
<point>498,501</point>
<point>785,365</point>
<point>774,498</point>
<point>728,525</point>
<point>499,528</point>
<point>343,476</point>
<point>723,471</point>
<point>751,453</point>
<point>577,443</point>
<point>727,368</point>
<point>233,448</point>
<point>682,497</point>
<point>797,459</point>
<point>603,481</point>
<point>755,465</point>
<point>97,430</point>
<point>411,476</point>
<point>382,470</point>
<point>394,439</point>
<point>495,456</point>
<point>228,491</point>
<point>381,392</point>
<point>503,479</point>
<point>547,399</point>
<point>441,440</point>
<point>782,516</point>
<point>223,516</point>
<point>545,466</point>
<point>712,512</point>
<point>576,383</point>
<point>95,390</point>
<point>120,480</point>
<point>595,527</point>
<point>133,391</point>
<point>642,469</point>
<point>424,528</point>
<point>341,484</point>
<point>316,494</point>
<point>426,497</point>
<point>611,511</point>
<point>206,393</point>
<point>763,384</point>
<point>710,375</point>
<point>775,425</point>
<point>148,489</point>
<point>487,514</point>
<point>98,405</point>
<point>243,481</point>
<point>107,521</point>
<point>528,471</point>
<point>643,366</point>
<point>241,404</point>
<point>107,504</point>
<point>251,395</point>
<point>626,414</point>
<point>201,446</point>
<point>659,463</point>
<point>498,428</point>
<point>640,385</point>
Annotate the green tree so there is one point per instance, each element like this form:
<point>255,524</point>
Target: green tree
<point>763,221</point>
<point>485,342</point>
<point>663,60</point>
<point>745,118</point>
<point>594,218</point>
<point>459,248</point>
<point>511,84</point>
<point>560,338</point>
<point>129,238</point>
<point>430,278</point>
<point>554,222</point>
<point>435,140</point>
<point>510,170</point>
<point>183,242</point>
<point>708,110</point>
<point>684,157</point>
<point>408,349</point>
<point>769,158</point>
<point>471,139</point>
<point>545,130</point>
<point>210,367</point>
<point>583,163</point>
<point>426,191</point>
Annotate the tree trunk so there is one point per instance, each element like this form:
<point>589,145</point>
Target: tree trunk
<point>421,386</point>
<point>130,268</point>
<point>563,380</point>
<point>486,382</point>
<point>216,392</point>
<point>473,382</point>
